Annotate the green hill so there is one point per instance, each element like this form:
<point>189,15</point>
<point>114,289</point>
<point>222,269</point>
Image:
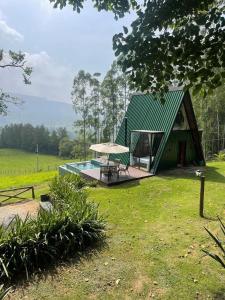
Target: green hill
<point>38,111</point>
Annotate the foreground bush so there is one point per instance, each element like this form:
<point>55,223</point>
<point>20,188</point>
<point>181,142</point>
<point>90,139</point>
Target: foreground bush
<point>71,226</point>
<point>220,243</point>
<point>3,292</point>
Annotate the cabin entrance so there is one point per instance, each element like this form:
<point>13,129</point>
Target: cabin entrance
<point>144,145</point>
<point>181,160</point>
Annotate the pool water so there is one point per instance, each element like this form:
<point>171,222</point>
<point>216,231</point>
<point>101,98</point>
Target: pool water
<point>78,167</point>
<point>86,166</point>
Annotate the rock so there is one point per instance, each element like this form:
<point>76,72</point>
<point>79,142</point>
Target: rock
<point>155,282</point>
<point>117,281</point>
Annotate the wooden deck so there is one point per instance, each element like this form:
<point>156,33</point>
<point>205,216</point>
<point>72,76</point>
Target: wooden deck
<point>134,174</point>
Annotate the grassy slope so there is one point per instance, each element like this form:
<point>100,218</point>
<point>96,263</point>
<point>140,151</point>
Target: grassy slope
<point>154,244</point>
<point>12,162</point>
<point>16,160</point>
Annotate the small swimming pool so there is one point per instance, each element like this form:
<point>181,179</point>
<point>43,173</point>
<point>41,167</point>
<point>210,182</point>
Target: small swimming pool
<point>78,167</point>
<point>87,165</point>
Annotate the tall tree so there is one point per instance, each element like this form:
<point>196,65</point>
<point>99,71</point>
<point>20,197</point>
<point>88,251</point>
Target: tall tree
<point>12,60</point>
<point>95,104</point>
<point>81,93</point>
<point>112,101</point>
<point>125,90</point>
<point>210,115</point>
<point>171,41</point>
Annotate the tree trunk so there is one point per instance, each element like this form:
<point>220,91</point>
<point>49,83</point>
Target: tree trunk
<point>218,129</point>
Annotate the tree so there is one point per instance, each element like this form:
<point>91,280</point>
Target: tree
<point>171,42</point>
<point>81,101</point>
<point>112,101</point>
<point>26,137</point>
<point>95,104</point>
<point>66,148</point>
<point>12,60</point>
<point>125,89</point>
<point>62,132</point>
<point>210,115</point>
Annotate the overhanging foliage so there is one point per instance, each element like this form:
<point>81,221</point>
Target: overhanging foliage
<point>170,42</point>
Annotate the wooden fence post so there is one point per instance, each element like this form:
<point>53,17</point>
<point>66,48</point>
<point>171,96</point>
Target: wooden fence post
<point>33,195</point>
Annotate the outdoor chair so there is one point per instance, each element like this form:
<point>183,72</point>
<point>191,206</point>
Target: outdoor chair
<point>104,170</point>
<point>115,170</point>
<point>124,169</point>
<point>109,171</point>
<point>117,162</point>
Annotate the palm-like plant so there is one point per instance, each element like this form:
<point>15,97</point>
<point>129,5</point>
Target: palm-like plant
<point>220,156</point>
<point>3,292</point>
<point>220,244</point>
<point>73,225</point>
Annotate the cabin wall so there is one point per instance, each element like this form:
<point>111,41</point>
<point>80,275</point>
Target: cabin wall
<point>169,158</point>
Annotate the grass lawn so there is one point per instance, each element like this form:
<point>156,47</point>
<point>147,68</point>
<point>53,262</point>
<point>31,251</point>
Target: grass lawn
<point>16,162</point>
<point>153,251</point>
<point>17,168</point>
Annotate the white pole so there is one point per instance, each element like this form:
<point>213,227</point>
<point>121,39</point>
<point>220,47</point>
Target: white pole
<point>37,159</point>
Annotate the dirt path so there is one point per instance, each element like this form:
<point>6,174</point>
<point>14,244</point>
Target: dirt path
<point>7,212</point>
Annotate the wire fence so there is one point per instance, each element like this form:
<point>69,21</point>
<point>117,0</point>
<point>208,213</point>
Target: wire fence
<point>26,171</point>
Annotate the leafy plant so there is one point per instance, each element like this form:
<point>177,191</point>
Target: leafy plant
<point>220,245</point>
<point>3,292</point>
<point>93,183</point>
<point>70,227</point>
<point>220,156</point>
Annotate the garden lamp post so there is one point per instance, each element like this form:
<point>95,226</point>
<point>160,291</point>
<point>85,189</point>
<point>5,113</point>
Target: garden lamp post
<point>202,191</point>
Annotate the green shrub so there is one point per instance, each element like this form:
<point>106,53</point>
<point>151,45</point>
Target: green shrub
<point>220,156</point>
<point>92,183</point>
<point>72,226</point>
<point>3,293</point>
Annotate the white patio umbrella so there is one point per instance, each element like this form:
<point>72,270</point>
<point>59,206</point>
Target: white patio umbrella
<point>109,148</point>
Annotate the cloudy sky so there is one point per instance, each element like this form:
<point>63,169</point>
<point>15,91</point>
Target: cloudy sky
<point>58,44</point>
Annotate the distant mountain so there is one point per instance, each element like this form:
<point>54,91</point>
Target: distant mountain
<point>38,111</point>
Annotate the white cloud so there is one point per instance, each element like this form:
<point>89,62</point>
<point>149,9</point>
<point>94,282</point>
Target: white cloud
<point>49,79</point>
<point>1,15</point>
<point>9,32</point>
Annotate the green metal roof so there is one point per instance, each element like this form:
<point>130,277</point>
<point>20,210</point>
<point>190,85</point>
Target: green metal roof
<point>147,112</point>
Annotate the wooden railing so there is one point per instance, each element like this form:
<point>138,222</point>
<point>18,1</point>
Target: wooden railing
<point>15,193</point>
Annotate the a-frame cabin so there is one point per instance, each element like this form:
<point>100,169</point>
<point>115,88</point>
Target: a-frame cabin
<point>160,135</point>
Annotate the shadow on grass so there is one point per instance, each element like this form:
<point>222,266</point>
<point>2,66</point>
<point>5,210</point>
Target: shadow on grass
<point>207,217</point>
<point>211,174</point>
<point>125,185</point>
<point>53,270</point>
<point>219,295</point>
